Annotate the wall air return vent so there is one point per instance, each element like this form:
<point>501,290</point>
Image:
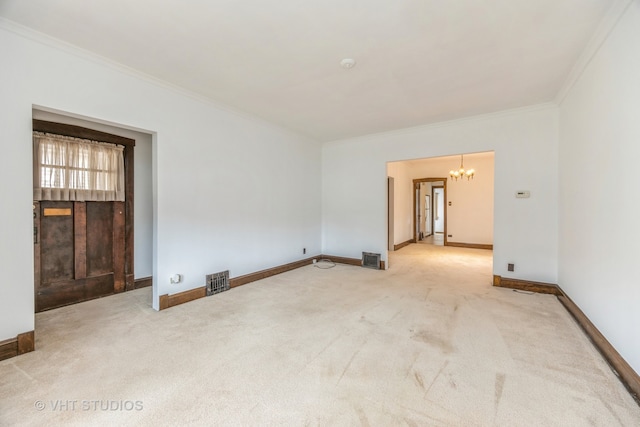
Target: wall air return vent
<point>371,260</point>
<point>217,282</point>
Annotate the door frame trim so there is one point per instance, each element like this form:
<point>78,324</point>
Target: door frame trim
<point>416,186</point>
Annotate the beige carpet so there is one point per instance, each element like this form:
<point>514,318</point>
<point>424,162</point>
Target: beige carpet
<point>427,343</point>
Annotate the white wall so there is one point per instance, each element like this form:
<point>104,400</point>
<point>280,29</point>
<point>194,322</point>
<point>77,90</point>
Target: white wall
<point>599,184</point>
<point>230,192</point>
<point>143,207</point>
<point>525,143</point>
<point>143,186</point>
<point>470,216</point>
<point>402,202</point>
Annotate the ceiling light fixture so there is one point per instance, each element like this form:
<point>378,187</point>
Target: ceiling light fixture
<point>461,173</point>
<point>348,63</point>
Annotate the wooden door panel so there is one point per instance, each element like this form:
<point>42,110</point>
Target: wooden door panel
<point>73,291</point>
<point>76,255</point>
<point>99,238</point>
<point>56,234</point>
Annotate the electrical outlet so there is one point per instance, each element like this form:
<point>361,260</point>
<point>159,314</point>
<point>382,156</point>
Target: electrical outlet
<point>511,267</point>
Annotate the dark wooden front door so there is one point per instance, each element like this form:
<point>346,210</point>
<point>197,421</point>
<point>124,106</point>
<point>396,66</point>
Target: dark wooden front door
<point>79,251</point>
<point>83,250</point>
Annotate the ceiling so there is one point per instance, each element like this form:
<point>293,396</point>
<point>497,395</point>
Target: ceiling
<point>417,61</point>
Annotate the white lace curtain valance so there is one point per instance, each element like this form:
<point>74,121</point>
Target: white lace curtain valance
<point>67,168</point>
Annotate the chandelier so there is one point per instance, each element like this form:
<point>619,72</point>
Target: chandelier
<point>461,173</point>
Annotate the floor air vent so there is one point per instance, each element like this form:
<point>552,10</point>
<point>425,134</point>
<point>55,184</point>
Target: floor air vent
<point>371,260</point>
<point>217,282</point>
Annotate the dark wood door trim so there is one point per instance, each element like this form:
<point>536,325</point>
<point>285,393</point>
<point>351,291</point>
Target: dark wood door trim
<point>416,186</point>
<point>80,132</point>
<point>129,278</point>
<point>36,252</point>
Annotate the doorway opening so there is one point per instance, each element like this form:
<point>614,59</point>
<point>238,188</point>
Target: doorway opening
<point>430,218</point>
<point>429,206</point>
<point>85,249</point>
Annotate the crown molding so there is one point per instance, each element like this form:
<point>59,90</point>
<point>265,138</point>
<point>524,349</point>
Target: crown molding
<point>84,54</point>
<point>452,122</point>
<point>606,26</point>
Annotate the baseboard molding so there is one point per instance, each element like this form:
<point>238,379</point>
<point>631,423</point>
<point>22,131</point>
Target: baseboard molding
<point>469,245</point>
<point>8,348</point>
<point>343,260</point>
<point>403,244</point>
<point>622,369</point>
<point>167,301</point>
<point>259,275</point>
<point>526,285</point>
<point>172,300</point>
<point>629,378</point>
<point>23,343</point>
<point>143,282</point>
<point>350,261</point>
